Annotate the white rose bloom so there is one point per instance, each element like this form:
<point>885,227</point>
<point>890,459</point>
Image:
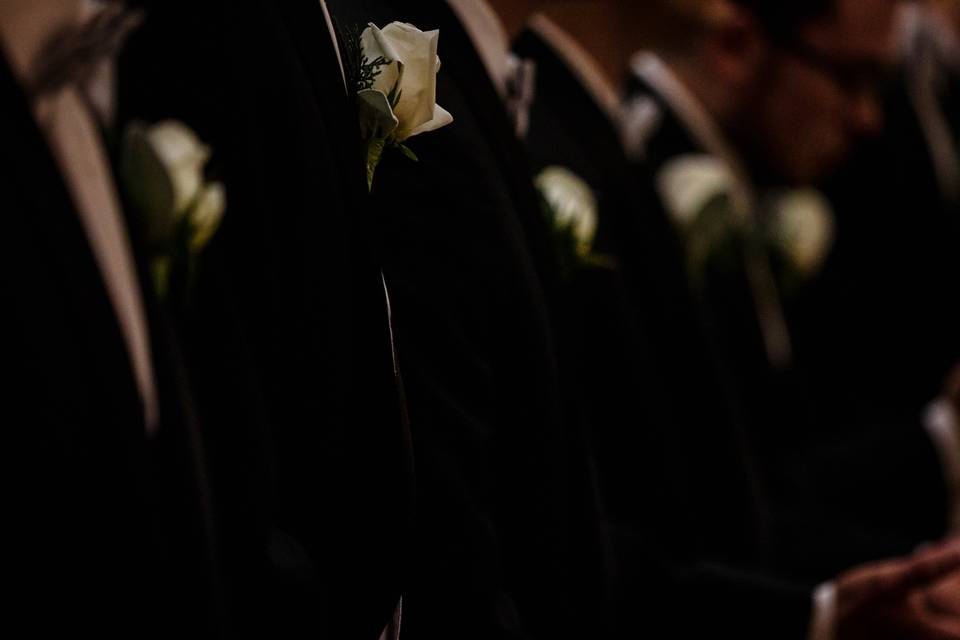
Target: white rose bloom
<point>412,66</point>
<point>377,120</point>
<point>573,204</point>
<point>163,171</point>
<point>688,184</point>
<point>163,167</point>
<point>804,229</point>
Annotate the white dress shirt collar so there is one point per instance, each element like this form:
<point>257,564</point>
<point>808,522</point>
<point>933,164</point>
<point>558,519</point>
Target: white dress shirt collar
<point>581,63</point>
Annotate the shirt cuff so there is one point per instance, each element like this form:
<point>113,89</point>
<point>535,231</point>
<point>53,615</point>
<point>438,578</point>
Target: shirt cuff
<point>823,622</point>
<point>943,426</point>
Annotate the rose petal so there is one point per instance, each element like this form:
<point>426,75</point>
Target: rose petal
<point>377,119</point>
<point>418,53</point>
<point>207,214</point>
<point>441,118</point>
<point>183,157</point>
<point>375,45</point>
<point>688,183</point>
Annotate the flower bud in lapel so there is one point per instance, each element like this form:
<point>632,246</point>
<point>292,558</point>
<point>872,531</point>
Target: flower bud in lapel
<point>689,183</point>
<point>572,205</point>
<point>802,228</point>
<point>697,193</point>
<point>162,172</point>
<point>410,76</point>
<point>397,88</point>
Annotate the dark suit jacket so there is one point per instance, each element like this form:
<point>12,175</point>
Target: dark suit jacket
<point>808,449</point>
<point>109,532</point>
<point>876,333</point>
<point>321,535</point>
<point>470,265</point>
<point>675,477</point>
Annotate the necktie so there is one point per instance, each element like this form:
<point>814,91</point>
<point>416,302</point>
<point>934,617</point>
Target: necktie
<point>521,84</point>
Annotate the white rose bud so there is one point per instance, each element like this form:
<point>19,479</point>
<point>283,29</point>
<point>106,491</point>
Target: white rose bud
<point>162,166</point>
<point>573,204</point>
<point>804,229</point>
<point>689,183</point>
<point>412,66</point>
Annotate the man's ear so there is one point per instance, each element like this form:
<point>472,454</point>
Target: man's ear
<point>736,48</point>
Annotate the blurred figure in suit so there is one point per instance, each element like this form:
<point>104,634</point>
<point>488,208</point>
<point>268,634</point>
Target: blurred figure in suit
<point>314,503</point>
<point>503,496</point>
<point>106,487</point>
<point>704,422</point>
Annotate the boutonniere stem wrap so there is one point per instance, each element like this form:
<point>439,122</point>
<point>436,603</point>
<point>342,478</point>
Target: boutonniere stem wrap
<point>397,89</point>
<point>162,172</point>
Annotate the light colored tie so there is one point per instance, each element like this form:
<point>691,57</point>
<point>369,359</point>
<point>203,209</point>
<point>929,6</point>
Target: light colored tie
<point>521,86</point>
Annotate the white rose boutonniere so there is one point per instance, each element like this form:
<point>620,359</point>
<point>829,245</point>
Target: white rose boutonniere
<point>397,89</point>
<point>162,172</point>
<point>795,226</point>
<point>571,207</point>
<point>697,192</point>
<point>802,229</point>
<point>689,185</point>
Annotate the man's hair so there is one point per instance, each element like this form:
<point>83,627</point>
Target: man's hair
<point>782,18</point>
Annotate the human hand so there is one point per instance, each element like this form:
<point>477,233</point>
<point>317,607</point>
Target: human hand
<point>943,598</point>
<point>899,599</point>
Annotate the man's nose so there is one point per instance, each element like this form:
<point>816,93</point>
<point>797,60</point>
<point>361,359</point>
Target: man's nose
<point>866,116</point>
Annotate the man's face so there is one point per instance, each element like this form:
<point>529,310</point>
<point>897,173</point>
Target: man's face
<point>817,95</point>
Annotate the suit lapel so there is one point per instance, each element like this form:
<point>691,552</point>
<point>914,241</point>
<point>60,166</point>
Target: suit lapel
<point>54,226</point>
<point>560,90</point>
<point>463,64</point>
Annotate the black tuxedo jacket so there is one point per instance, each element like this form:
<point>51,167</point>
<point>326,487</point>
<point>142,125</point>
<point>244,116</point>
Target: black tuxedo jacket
<point>706,419</point>
<point>320,535</point>
<point>876,332</point>
<point>670,457</point>
<point>470,265</point>
<point>809,458</point>
<point>109,532</point>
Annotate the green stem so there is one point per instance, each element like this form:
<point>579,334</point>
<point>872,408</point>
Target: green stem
<point>374,153</point>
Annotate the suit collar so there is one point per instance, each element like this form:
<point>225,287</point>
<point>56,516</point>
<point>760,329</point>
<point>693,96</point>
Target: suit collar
<point>53,226</point>
<point>489,38</point>
<point>653,72</point>
<point>468,73</point>
<point>336,41</point>
<point>581,65</point>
